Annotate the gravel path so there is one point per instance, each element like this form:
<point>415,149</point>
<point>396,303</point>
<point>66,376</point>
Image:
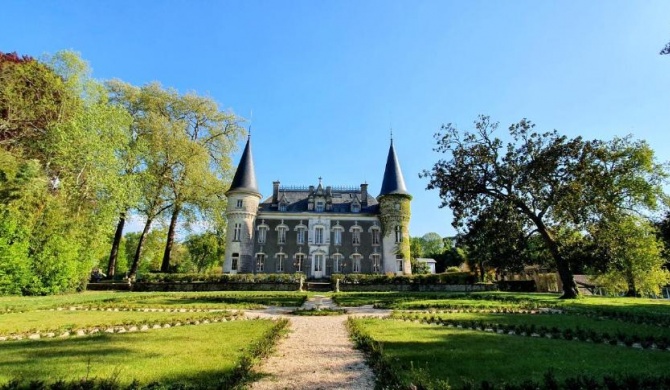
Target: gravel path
<point>317,354</point>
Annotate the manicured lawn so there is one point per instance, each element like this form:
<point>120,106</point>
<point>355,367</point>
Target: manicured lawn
<point>70,320</point>
<point>198,355</point>
<point>214,300</point>
<point>560,321</point>
<point>464,356</point>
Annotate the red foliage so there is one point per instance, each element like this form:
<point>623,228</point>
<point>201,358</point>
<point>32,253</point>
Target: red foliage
<point>14,58</point>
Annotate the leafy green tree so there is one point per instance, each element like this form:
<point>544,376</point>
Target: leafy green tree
<point>433,244</point>
<point>59,183</point>
<point>634,250</point>
<point>190,139</point>
<point>551,181</point>
<point>203,250</point>
<point>416,247</point>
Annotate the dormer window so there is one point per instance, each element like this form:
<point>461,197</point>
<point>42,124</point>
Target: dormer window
<point>282,207</point>
<point>320,206</point>
<point>355,208</point>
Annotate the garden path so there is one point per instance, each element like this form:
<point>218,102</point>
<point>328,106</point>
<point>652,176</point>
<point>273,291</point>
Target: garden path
<point>317,354</point>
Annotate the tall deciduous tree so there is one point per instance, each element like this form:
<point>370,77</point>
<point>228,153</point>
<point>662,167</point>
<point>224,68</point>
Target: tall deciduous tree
<point>634,251</point>
<point>550,180</point>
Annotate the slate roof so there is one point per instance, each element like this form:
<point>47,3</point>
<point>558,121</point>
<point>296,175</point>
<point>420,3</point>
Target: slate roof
<point>393,183</point>
<point>297,202</point>
<point>245,176</point>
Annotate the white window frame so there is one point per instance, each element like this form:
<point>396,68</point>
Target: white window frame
<point>260,262</point>
<point>337,263</point>
<point>376,236</point>
<point>262,234</point>
<point>356,263</point>
<point>237,231</point>
<point>281,259</point>
<point>398,234</point>
<point>234,261</point>
<point>337,236</point>
<point>376,262</point>
<point>300,235</point>
<point>319,260</point>
<point>356,236</point>
<point>281,234</point>
<point>318,235</point>
<point>299,262</point>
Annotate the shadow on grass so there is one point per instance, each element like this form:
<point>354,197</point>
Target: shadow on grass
<point>463,356</point>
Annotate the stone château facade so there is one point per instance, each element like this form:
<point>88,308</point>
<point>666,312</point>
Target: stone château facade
<point>317,230</point>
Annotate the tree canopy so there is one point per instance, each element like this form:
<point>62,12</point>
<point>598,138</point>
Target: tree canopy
<point>550,181</point>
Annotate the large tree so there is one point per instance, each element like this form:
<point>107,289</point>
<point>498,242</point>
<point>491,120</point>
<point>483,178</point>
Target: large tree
<point>552,181</point>
<point>189,139</point>
<point>58,177</point>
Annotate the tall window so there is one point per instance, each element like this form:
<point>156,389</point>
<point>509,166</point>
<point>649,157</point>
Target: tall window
<point>318,235</point>
<point>356,263</point>
<point>282,207</point>
<point>237,232</point>
<point>281,259</point>
<point>234,263</point>
<point>398,263</point>
<point>260,262</point>
<point>262,234</point>
<point>375,237</point>
<point>337,237</point>
<point>318,263</point>
<point>337,263</point>
<point>356,236</point>
<point>299,262</point>
<point>398,234</point>
<point>281,235</point>
<point>240,203</point>
<point>300,238</point>
<point>320,206</point>
<point>376,263</point>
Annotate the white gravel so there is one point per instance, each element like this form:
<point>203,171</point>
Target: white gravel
<point>316,354</point>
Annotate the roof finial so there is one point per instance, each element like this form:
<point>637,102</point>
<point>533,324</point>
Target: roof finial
<point>391,129</point>
<point>251,117</point>
<point>320,180</point>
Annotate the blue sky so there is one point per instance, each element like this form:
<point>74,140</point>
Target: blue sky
<point>327,79</point>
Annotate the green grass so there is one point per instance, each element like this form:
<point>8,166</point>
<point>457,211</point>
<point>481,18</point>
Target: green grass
<point>463,356</point>
<point>199,355</point>
<point>68,320</point>
<point>215,300</point>
<point>560,321</point>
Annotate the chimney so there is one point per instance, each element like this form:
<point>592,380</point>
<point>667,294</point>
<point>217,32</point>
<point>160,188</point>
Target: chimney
<point>275,192</point>
<point>364,195</point>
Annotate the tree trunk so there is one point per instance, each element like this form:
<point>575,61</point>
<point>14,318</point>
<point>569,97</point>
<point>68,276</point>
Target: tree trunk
<point>632,289</point>
<point>136,260</point>
<point>570,290</point>
<point>481,271</point>
<point>165,266</point>
<point>113,255</point>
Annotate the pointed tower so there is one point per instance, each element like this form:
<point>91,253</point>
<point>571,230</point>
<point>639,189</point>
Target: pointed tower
<point>394,215</point>
<point>243,198</point>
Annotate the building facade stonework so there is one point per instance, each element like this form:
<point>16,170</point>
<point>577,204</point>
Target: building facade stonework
<point>317,230</point>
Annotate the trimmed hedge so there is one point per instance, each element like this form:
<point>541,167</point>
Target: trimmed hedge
<point>220,278</point>
<point>459,278</point>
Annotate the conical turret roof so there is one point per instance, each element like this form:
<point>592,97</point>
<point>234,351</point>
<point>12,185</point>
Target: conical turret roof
<point>393,183</point>
<point>245,176</point>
